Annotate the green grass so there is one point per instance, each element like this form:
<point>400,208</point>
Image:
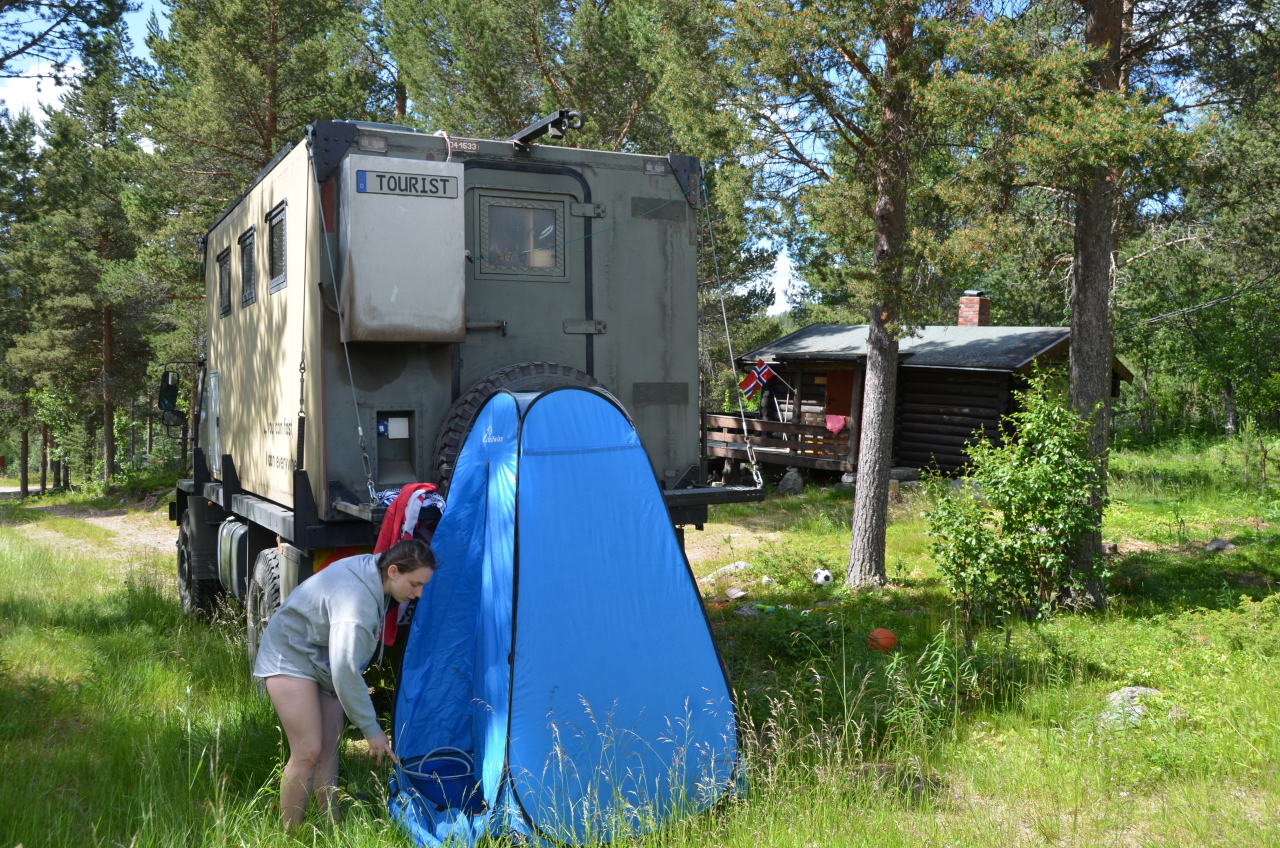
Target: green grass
<point>77,529</point>
<point>121,723</point>
<point>74,529</point>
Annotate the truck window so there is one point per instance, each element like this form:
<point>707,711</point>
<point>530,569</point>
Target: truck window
<point>248,271</point>
<point>224,283</point>
<point>275,248</point>
<point>522,236</point>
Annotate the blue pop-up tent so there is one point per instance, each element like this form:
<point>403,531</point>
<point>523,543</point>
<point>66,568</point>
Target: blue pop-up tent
<point>560,680</point>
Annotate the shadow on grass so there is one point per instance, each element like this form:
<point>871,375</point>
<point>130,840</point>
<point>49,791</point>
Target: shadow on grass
<point>159,738</point>
<point>774,652</point>
<point>1154,582</point>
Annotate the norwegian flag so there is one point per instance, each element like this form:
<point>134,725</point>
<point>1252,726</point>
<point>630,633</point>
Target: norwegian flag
<point>756,378</point>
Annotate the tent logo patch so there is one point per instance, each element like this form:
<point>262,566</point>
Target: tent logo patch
<point>488,437</point>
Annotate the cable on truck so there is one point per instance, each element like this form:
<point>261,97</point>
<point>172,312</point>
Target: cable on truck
<point>355,403</point>
<point>733,364</point>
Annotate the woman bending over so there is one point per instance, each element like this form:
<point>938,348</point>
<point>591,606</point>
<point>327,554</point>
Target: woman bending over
<point>312,656</point>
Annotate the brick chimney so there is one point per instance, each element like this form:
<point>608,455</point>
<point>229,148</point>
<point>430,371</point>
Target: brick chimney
<point>975,309</point>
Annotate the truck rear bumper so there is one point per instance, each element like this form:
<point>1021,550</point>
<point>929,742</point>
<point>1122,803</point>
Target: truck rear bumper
<point>689,506</point>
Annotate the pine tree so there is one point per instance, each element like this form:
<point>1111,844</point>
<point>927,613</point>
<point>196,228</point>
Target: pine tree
<point>52,31</point>
<point>1097,128</point>
<point>840,129</point>
<point>89,317</point>
<point>228,85</point>
<point>488,68</point>
<point>17,206</point>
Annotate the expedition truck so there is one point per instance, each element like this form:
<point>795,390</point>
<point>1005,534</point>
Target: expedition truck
<point>374,285</point>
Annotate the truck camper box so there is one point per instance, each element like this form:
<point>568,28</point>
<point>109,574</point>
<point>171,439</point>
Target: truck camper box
<point>375,285</point>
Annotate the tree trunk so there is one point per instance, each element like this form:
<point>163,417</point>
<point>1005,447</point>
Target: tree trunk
<point>90,445</point>
<point>151,440</point>
<point>875,456</point>
<point>1097,205</point>
<point>55,465</point>
<point>44,459</point>
<point>402,97</point>
<point>24,451</point>
<point>108,406</point>
<point>875,450</point>
<point>271,69</point>
<point>1229,407</point>
<point>66,473</point>
<point>189,435</point>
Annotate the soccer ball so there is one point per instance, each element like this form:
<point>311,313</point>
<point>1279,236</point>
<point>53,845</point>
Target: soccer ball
<point>822,577</point>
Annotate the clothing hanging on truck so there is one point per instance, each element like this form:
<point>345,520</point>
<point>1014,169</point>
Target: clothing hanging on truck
<point>409,515</point>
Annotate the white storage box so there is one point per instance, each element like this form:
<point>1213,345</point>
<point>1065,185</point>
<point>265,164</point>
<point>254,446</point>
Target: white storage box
<point>402,231</point>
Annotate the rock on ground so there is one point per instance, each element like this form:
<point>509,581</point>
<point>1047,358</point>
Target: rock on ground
<point>791,483</point>
<point>1124,706</point>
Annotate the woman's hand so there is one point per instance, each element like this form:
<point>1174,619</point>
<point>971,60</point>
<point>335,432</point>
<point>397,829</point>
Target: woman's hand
<point>380,746</point>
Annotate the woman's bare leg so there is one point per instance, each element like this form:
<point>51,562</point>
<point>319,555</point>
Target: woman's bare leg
<point>297,702</point>
<point>326,780</point>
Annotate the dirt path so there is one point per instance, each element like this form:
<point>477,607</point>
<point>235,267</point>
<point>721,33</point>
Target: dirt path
<point>127,534</point>
<point>718,541</point>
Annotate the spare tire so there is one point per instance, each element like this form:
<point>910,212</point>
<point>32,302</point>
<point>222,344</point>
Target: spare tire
<point>524,377</point>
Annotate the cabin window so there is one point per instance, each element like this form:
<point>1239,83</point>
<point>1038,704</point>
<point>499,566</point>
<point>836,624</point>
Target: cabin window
<point>522,236</point>
<point>276,248</point>
<point>224,283</point>
<point>248,270</point>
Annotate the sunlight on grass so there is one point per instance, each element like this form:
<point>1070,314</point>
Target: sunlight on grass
<point>78,529</point>
<point>131,725</point>
<point>1025,758</point>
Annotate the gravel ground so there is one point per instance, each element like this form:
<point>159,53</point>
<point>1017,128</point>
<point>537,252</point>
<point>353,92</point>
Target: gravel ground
<point>138,535</point>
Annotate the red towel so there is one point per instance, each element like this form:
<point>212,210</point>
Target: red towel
<point>393,521</point>
<point>392,524</point>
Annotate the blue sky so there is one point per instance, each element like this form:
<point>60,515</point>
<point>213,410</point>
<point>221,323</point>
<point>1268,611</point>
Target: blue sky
<point>30,92</point>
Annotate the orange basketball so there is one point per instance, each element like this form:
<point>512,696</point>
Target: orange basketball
<point>881,639</point>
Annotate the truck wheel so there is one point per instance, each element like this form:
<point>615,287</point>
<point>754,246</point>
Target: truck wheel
<point>525,377</point>
<point>262,600</point>
<point>198,597</point>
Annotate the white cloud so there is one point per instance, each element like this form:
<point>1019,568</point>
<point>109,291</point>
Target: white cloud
<point>781,281</point>
<point>29,93</point>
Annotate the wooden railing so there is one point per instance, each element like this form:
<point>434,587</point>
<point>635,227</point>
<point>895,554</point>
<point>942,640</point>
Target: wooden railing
<point>776,443</point>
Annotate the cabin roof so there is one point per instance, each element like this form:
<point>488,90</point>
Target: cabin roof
<point>986,348</point>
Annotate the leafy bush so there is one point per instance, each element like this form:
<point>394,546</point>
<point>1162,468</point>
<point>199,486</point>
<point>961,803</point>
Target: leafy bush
<point>1004,536</point>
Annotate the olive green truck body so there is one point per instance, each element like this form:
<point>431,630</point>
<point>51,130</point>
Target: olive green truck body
<point>381,280</point>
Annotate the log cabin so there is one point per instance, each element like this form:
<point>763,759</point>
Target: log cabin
<point>954,382</point>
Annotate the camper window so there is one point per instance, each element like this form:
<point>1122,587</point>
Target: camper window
<point>248,271</point>
<point>224,283</point>
<point>522,236</point>
<point>275,247</point>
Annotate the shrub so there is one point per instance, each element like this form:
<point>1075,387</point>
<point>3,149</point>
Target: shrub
<point>1005,535</point>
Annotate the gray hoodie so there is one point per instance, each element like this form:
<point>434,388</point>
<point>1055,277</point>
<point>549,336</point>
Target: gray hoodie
<point>326,631</point>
